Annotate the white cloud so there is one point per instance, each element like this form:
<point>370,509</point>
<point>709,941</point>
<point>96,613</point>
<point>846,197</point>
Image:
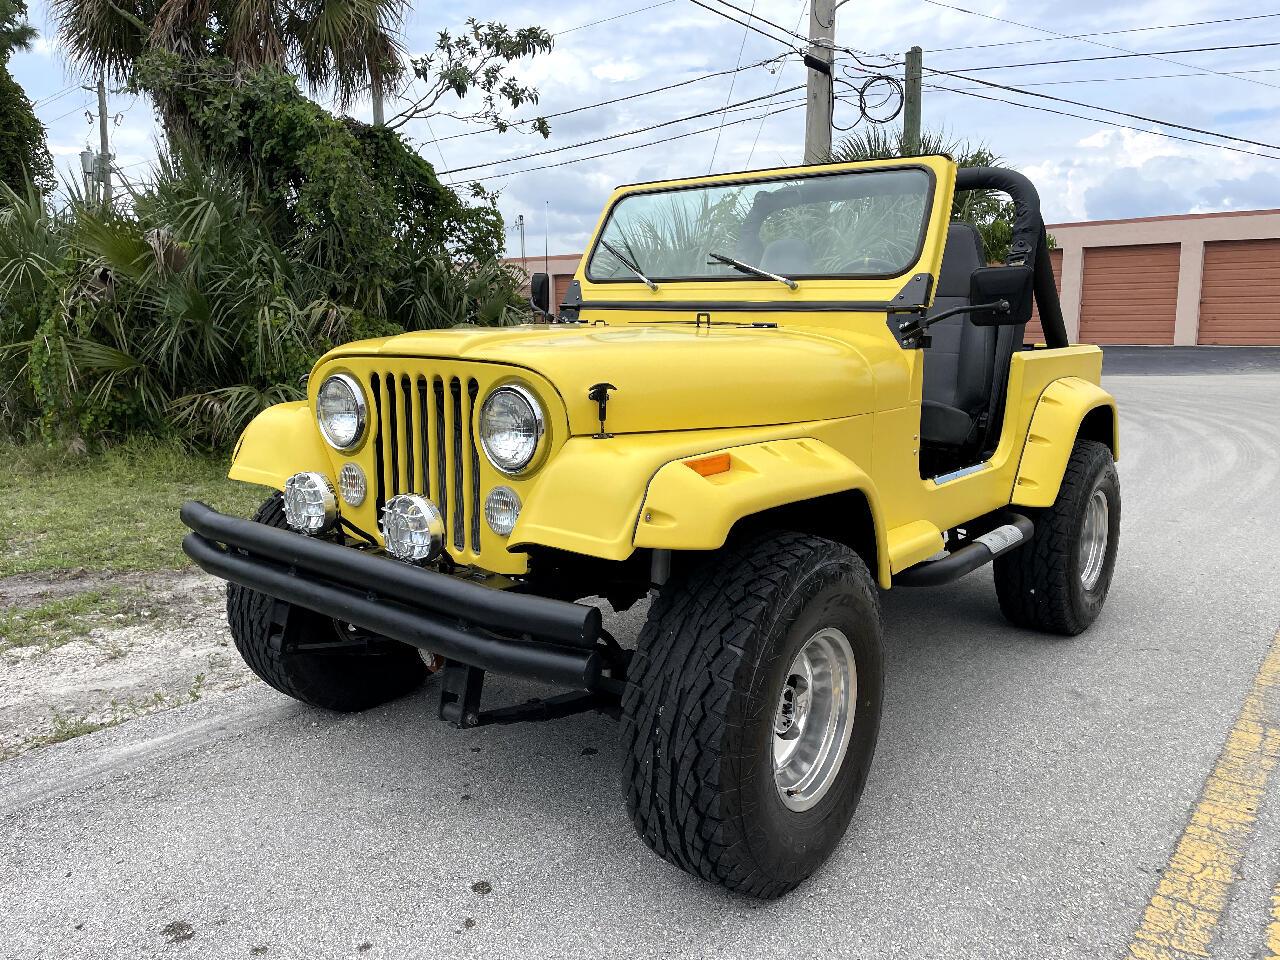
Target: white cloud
<point>1085,169</point>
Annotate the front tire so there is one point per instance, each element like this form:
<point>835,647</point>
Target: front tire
<point>751,712</point>
<point>1059,581</point>
<point>332,681</point>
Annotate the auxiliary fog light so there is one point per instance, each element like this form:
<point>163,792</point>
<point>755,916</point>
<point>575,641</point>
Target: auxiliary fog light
<point>352,484</point>
<point>310,505</point>
<point>413,528</point>
<point>502,510</point>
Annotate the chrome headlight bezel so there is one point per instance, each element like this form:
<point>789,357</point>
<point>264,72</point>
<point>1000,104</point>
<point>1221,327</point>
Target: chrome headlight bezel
<point>538,422</point>
<point>362,412</point>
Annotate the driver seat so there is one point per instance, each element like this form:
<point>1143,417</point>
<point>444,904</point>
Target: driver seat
<point>959,365</point>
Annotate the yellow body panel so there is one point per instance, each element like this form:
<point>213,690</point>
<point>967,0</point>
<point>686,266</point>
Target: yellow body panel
<point>1059,412</point>
<point>816,403</point>
<point>279,442</point>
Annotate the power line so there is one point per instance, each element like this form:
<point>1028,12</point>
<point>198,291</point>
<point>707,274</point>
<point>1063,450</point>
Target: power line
<point>1122,126</point>
<point>1148,76</point>
<point>615,136</point>
<point>750,26</point>
<point>804,4</point>
<point>63,116</point>
<point>1093,106</point>
<point>1098,33</point>
<point>732,83</point>
<point>623,99</point>
<point>637,146</point>
<point>1156,55</point>
<point>616,16</point>
<point>45,101</point>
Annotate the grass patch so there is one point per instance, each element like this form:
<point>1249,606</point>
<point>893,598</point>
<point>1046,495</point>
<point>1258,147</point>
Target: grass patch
<point>112,511</point>
<point>55,622</point>
<point>67,727</point>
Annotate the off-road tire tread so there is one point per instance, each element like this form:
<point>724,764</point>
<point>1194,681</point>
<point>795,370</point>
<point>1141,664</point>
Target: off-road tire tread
<point>678,688</point>
<point>332,682</point>
<point>1032,582</point>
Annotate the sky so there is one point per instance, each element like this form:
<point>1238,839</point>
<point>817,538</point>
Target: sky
<point>1095,168</point>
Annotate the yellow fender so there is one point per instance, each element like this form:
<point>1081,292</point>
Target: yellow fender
<point>684,510</point>
<point>1068,408</point>
<point>279,442</point>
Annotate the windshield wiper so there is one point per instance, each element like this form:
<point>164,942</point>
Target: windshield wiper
<point>748,268</point>
<point>627,263</point>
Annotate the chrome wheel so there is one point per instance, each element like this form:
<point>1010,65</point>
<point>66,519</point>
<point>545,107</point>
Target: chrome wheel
<point>814,718</point>
<point>1093,539</point>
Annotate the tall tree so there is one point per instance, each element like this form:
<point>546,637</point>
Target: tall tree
<point>24,157</point>
<point>344,46</point>
<point>989,211</point>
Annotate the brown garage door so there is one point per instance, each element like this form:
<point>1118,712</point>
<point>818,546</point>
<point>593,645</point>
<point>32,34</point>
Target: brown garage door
<point>1034,334</point>
<point>1130,294</point>
<point>1240,294</point>
<point>562,287</point>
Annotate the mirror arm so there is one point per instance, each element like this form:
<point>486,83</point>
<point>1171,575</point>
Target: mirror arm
<point>910,329</point>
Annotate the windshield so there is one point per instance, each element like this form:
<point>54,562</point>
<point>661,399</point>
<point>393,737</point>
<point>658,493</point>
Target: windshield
<point>864,225</point>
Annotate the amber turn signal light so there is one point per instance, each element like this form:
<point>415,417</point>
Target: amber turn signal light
<point>709,466</point>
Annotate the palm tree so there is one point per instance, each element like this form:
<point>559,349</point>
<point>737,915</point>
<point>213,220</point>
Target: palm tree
<point>989,211</point>
<point>15,33</point>
<point>348,47</point>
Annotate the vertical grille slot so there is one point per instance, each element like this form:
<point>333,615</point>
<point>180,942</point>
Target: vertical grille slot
<point>440,498</point>
<point>393,437</point>
<point>424,435</point>
<point>406,405</point>
<point>473,390</point>
<point>455,422</point>
<point>375,388</point>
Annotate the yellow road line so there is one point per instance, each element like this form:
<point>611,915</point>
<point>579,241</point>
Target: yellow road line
<point>1182,916</point>
<point>1273,928</point>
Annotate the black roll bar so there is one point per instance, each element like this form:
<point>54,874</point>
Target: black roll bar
<point>1030,243</point>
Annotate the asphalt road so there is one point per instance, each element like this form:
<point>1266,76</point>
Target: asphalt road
<point>1027,795</point>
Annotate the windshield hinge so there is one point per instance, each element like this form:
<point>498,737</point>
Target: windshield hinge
<point>913,296</point>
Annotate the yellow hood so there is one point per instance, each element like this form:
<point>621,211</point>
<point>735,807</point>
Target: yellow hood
<point>667,377</point>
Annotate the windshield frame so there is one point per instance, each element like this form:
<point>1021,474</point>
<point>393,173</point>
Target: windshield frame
<point>769,177</point>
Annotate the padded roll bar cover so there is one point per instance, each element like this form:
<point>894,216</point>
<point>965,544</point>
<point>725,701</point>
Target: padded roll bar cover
<point>1030,243</point>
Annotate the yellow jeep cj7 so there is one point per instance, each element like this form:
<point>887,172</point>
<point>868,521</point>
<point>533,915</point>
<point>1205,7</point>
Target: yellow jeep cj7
<point>765,395</point>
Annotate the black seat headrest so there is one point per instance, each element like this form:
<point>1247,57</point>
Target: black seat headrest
<point>963,255</point>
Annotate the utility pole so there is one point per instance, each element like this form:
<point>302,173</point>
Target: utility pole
<point>911,103</point>
<point>818,58</point>
<point>104,146</point>
<point>524,260</point>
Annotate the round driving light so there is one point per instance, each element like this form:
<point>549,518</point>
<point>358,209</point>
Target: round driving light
<point>341,411</point>
<point>511,424</point>
<point>352,484</point>
<point>310,506</point>
<point>413,528</point>
<point>502,510</point>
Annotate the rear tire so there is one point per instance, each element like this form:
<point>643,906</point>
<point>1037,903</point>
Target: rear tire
<point>724,702</point>
<point>1059,581</point>
<point>343,682</point>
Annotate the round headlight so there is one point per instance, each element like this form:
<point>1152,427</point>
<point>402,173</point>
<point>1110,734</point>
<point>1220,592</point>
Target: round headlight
<point>310,506</point>
<point>511,424</point>
<point>413,528</point>
<point>341,411</point>
<point>502,510</point>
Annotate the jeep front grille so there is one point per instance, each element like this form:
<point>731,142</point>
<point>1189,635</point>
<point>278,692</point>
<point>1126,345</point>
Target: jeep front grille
<point>426,444</point>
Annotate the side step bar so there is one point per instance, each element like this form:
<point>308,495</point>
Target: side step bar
<point>1013,532</point>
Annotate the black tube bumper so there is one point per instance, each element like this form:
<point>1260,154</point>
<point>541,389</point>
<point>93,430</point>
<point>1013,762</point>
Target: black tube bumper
<point>497,631</point>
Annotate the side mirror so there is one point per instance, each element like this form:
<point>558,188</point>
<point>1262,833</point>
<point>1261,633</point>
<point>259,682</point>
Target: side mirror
<point>540,293</point>
<point>1008,286</point>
